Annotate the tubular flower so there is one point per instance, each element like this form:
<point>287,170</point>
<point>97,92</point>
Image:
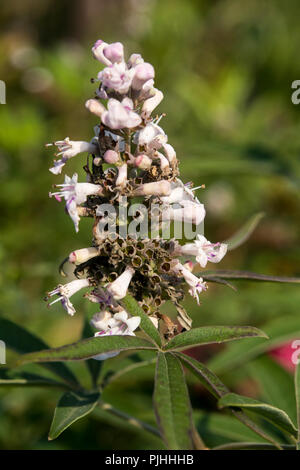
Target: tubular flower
<point>75,194</point>
<point>67,149</point>
<point>204,251</point>
<point>197,285</point>
<point>117,325</point>
<point>119,287</point>
<point>64,292</point>
<point>82,255</point>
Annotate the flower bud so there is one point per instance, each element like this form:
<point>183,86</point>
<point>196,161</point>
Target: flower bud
<point>98,53</point>
<point>122,175</point>
<point>163,160</point>
<point>151,103</point>
<point>95,107</point>
<point>111,157</point>
<point>114,52</point>
<point>82,255</point>
<point>134,60</point>
<point>143,161</point>
<point>158,188</point>
<point>143,73</point>
<point>170,152</point>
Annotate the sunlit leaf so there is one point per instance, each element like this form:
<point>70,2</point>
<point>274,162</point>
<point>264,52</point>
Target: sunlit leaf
<point>211,334</point>
<point>272,414</point>
<point>279,331</point>
<point>172,403</point>
<point>71,407</point>
<point>87,348</point>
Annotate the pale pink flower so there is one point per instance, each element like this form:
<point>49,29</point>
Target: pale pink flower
<point>67,149</point>
<point>120,114</point>
<point>204,251</point>
<point>75,194</point>
<point>64,293</point>
<point>142,73</point>
<point>117,77</point>
<point>108,53</point>
<point>118,288</point>
<point>197,285</point>
<point>117,325</point>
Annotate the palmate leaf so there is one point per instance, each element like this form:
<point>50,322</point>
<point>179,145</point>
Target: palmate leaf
<point>244,232</point>
<point>272,414</point>
<point>172,403</point>
<point>71,407</point>
<point>297,391</point>
<point>211,334</point>
<point>22,341</point>
<point>279,331</point>
<point>132,307</point>
<point>87,348</point>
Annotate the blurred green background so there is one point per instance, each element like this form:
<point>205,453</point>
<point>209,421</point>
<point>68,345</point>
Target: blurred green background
<point>226,69</point>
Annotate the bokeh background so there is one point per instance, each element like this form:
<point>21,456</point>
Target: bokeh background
<point>226,69</point>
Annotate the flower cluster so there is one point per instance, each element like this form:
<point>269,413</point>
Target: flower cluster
<point>130,162</point>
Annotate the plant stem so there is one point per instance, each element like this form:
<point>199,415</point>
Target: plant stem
<point>130,419</point>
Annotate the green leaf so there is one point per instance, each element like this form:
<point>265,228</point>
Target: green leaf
<point>218,389</point>
<point>272,414</point>
<point>206,377</point>
<point>172,403</point>
<point>132,307</point>
<point>244,232</point>
<point>211,334</point>
<point>22,341</point>
<point>11,378</point>
<point>93,366</point>
<point>87,348</point>
<point>217,276</point>
<point>71,407</point>
<point>297,390</point>
<point>279,331</point>
<point>217,429</point>
<point>276,384</point>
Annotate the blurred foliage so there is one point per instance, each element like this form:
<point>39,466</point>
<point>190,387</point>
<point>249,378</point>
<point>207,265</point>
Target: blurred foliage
<point>226,69</point>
